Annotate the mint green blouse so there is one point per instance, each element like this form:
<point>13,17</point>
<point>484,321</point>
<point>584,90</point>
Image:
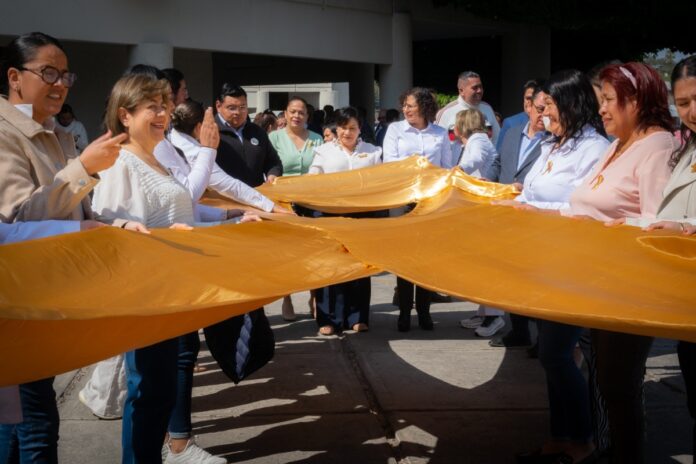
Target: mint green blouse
<point>295,162</point>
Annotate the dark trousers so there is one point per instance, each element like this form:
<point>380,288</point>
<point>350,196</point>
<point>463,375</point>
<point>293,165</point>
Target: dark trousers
<point>35,439</point>
<point>620,372</point>
<point>600,420</point>
<point>152,390</point>
<point>520,326</point>
<point>687,362</point>
<point>180,422</point>
<point>423,297</point>
<point>344,305</point>
<point>569,399</point>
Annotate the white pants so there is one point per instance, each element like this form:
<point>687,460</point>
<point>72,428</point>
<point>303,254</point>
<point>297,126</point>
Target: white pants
<point>105,392</point>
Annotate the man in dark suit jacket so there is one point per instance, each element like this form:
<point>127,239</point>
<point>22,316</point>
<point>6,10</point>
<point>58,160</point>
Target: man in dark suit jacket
<point>244,151</point>
<point>520,143</point>
<point>519,149</point>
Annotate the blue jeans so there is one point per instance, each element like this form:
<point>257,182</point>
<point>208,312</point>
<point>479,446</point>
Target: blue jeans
<point>35,440</point>
<point>180,422</point>
<point>569,398</point>
<point>152,387</point>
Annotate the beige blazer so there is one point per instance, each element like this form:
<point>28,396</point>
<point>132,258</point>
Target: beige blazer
<point>40,177</point>
<point>679,200</point>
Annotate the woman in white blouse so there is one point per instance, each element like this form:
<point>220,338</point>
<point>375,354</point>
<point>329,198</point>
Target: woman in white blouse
<point>188,135</point>
<point>416,135</point>
<point>345,305</point>
<point>140,188</point>
<point>568,157</point>
<point>478,152</point>
<point>576,144</point>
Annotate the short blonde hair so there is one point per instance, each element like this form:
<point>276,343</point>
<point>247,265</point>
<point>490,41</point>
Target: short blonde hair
<point>128,93</point>
<point>469,122</point>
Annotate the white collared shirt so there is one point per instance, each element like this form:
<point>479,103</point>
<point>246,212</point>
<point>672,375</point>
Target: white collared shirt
<point>332,157</point>
<point>28,110</point>
<point>478,156</point>
<point>556,173</point>
<point>403,140</point>
<point>219,180</point>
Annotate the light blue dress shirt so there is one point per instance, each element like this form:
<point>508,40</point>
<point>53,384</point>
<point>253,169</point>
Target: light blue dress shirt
<point>527,144</point>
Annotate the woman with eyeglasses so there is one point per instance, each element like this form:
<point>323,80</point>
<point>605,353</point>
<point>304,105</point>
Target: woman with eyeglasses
<point>43,178</point>
<point>416,135</point>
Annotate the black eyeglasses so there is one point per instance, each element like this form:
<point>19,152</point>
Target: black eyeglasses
<point>51,75</point>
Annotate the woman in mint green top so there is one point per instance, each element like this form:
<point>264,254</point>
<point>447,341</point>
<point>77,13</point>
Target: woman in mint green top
<point>295,146</point>
<point>294,143</point>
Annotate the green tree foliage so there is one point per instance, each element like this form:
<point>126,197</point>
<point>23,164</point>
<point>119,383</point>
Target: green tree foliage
<point>443,99</point>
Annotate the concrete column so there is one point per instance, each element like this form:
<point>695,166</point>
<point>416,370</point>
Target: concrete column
<point>197,66</point>
<point>362,87</point>
<point>262,99</point>
<point>160,55</point>
<point>328,97</point>
<point>397,77</point>
<point>526,55</point>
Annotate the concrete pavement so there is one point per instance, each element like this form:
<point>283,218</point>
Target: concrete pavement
<point>382,396</point>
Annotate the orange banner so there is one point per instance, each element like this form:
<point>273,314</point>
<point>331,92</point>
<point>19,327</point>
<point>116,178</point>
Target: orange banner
<point>71,300</point>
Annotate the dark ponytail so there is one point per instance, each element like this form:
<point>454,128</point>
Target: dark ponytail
<point>186,116</point>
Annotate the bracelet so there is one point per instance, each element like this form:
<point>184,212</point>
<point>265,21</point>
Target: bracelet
<point>123,226</point>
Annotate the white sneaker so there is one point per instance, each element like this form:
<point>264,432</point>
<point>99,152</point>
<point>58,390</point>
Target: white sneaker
<point>192,454</point>
<point>491,328</point>
<point>472,322</point>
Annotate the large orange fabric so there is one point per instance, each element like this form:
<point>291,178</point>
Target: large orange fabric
<point>71,300</point>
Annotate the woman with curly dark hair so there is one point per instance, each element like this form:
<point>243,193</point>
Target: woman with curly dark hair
<point>416,135</point>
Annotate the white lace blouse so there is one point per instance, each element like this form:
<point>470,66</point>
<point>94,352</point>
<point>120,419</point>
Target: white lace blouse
<point>132,190</point>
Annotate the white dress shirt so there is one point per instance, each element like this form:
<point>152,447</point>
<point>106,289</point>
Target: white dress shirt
<point>478,156</point>
<point>194,178</point>
<point>219,180</point>
<point>403,140</point>
<point>556,173</point>
<point>448,115</point>
<point>332,157</point>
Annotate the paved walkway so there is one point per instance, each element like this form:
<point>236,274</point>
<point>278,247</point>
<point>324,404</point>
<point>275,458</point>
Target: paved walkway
<point>378,397</point>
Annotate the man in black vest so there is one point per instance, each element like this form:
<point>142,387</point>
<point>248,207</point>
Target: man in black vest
<point>244,151</point>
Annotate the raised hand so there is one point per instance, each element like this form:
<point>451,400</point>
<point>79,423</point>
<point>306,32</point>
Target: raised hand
<point>209,135</point>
